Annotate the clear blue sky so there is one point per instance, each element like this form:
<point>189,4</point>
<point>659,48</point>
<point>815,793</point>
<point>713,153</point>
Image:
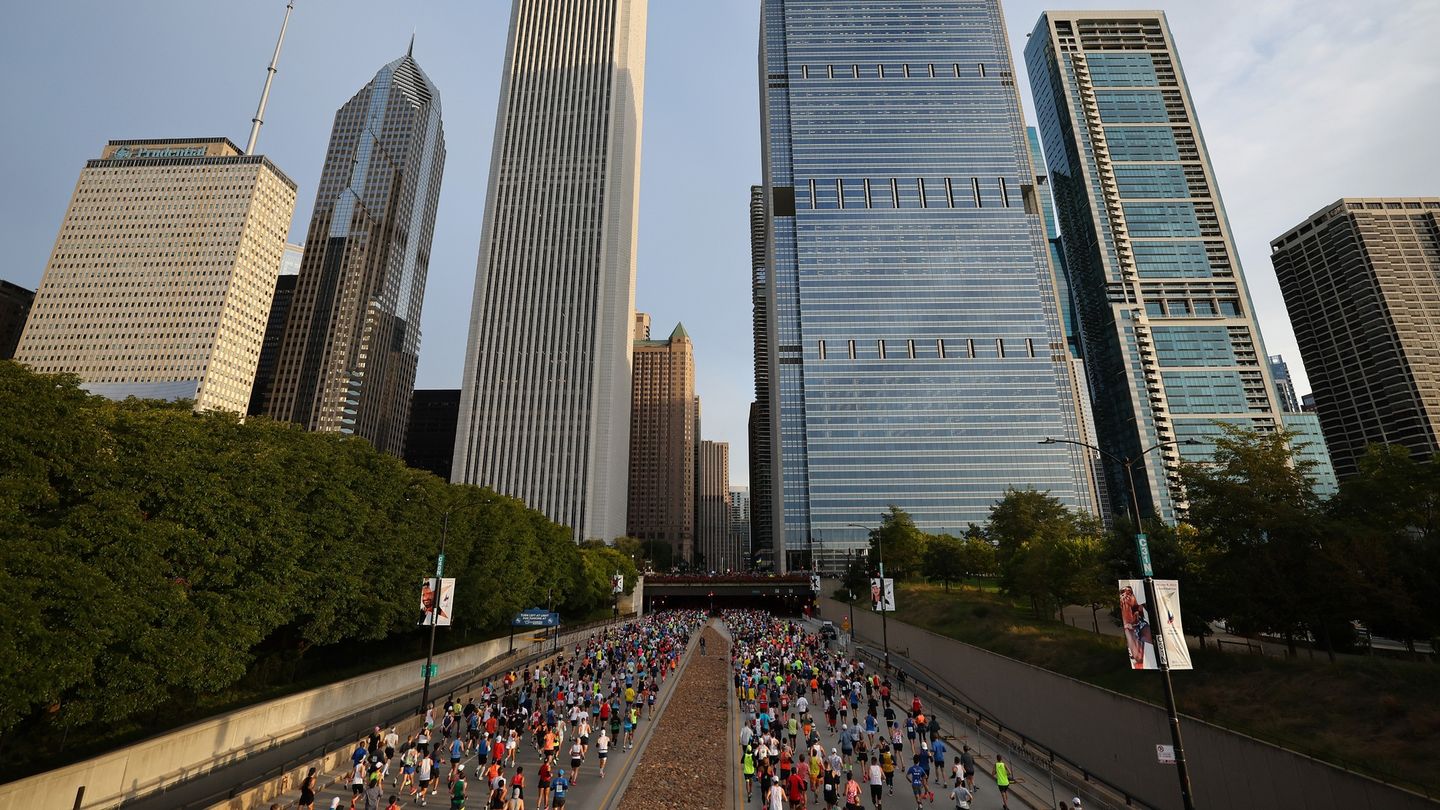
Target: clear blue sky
<point>1302,102</point>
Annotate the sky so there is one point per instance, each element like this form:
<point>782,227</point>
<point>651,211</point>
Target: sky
<point>1301,102</point>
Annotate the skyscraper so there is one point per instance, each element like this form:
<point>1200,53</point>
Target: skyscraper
<point>1361,280</point>
<point>662,441</point>
<point>712,508</point>
<point>740,513</point>
<point>919,356</point>
<point>352,338</point>
<point>15,302</point>
<point>162,277</point>
<point>545,409</point>
<point>762,495</point>
<point>1284,384</point>
<point>1168,331</point>
<point>275,329</point>
<point>430,441</point>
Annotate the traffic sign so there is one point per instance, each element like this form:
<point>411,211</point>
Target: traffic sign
<point>845,624</point>
<point>440,566</point>
<point>429,670</point>
<point>1142,548</point>
<point>1166,754</point>
<point>535,617</point>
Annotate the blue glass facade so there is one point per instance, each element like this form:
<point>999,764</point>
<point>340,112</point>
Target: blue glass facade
<point>1167,325</point>
<point>917,349</point>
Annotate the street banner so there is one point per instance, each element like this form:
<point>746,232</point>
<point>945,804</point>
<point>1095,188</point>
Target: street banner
<point>1141,622</point>
<point>617,584</point>
<point>429,591</point>
<point>882,594</point>
<point>814,583</point>
<point>535,617</point>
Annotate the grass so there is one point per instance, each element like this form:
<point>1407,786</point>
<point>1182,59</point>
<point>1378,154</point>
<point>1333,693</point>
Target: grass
<point>1380,716</point>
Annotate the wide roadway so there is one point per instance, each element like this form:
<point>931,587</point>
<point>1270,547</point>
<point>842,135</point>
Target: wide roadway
<point>954,733</point>
<point>591,793</point>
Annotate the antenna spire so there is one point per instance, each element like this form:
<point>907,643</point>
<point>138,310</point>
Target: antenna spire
<point>269,77</point>
<point>411,50</point>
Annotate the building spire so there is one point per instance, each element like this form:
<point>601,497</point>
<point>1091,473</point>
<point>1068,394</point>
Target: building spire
<point>410,52</point>
<point>269,77</point>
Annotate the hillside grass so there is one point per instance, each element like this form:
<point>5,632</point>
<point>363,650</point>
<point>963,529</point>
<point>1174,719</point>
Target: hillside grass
<point>1372,715</point>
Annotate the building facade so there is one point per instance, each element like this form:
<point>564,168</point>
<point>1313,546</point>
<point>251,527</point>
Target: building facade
<point>545,410</point>
<point>162,276</point>
<point>762,495</point>
<point>1361,281</point>
<point>663,434</point>
<point>15,303</point>
<point>1168,331</point>
<point>919,357</point>
<point>740,515</point>
<point>352,338</point>
<point>430,440</point>
<point>275,329</point>
<point>714,551</point>
<point>1284,384</point>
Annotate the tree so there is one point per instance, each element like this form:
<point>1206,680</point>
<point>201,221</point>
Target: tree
<point>856,580</point>
<point>898,544</point>
<point>977,557</point>
<point>944,559</point>
<point>1045,551</point>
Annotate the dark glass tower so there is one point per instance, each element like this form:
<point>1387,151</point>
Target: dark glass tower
<point>919,355</point>
<point>762,495</point>
<point>352,338</point>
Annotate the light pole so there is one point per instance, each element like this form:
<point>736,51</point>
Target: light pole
<point>880,560</point>
<point>435,612</point>
<point>1142,551</point>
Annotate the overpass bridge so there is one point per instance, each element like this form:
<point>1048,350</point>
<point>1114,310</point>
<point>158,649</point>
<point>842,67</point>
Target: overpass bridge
<point>787,595</point>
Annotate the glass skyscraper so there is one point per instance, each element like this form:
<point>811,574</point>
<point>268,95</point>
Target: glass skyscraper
<point>1167,326</point>
<point>919,356</point>
<point>352,336</point>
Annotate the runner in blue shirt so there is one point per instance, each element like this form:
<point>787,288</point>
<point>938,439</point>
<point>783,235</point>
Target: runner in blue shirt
<point>937,751</point>
<point>558,787</point>
<point>919,780</point>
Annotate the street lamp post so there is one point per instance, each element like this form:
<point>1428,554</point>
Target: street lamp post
<point>1142,552</point>
<point>435,610</point>
<point>880,560</point>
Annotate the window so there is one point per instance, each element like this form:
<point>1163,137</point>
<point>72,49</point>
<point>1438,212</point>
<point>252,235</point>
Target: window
<point>822,350</point>
<point>975,191</point>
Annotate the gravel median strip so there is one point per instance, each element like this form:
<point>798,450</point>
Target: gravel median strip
<point>684,763</point>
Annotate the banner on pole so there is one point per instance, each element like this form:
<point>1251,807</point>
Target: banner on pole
<point>437,601</point>
<point>617,584</point>
<point>815,583</point>
<point>1142,620</point>
<point>882,594</point>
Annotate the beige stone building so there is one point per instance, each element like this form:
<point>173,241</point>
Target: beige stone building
<point>663,431</point>
<point>712,512</point>
<point>161,279</point>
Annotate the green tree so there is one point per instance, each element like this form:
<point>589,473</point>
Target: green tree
<point>898,544</point>
<point>856,580</point>
<point>1045,551</point>
<point>977,557</point>
<point>944,559</point>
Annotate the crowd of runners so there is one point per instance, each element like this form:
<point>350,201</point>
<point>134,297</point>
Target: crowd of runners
<point>792,687</point>
<point>532,735</point>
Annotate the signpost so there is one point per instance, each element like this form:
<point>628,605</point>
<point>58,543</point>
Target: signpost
<point>1166,754</point>
<point>1142,549</point>
<point>533,617</point>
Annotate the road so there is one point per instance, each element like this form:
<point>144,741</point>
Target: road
<point>591,793</point>
<point>1033,781</point>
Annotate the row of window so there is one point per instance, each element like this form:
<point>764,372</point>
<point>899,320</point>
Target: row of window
<point>891,192</point>
<point>905,70</point>
<point>909,349</point>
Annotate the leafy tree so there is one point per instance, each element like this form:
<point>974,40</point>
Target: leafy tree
<point>856,580</point>
<point>898,544</point>
<point>1045,551</point>
<point>944,559</point>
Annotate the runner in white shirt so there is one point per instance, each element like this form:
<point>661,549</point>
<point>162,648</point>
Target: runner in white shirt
<point>602,749</point>
<point>876,778</point>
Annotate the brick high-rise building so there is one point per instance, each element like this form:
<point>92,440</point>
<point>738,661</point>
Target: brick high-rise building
<point>715,550</point>
<point>162,277</point>
<point>352,338</point>
<point>1361,280</point>
<point>663,434</point>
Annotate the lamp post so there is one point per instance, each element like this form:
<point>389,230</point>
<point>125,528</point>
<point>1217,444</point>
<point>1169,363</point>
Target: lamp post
<point>1142,551</point>
<point>880,560</point>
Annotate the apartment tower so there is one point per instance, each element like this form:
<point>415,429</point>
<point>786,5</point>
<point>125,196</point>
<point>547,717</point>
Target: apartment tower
<point>663,433</point>
<point>919,358</point>
<point>352,338</point>
<point>760,545</point>
<point>1168,330</point>
<point>161,279</point>
<point>545,405</point>
<point>275,329</point>
<point>1361,280</point>
<point>712,508</point>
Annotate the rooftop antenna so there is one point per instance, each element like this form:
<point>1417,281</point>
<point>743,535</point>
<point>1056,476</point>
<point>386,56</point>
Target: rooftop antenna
<point>411,52</point>
<point>269,77</point>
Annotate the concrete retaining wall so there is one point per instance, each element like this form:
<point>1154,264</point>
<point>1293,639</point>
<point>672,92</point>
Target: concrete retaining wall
<point>1114,736</point>
<point>202,747</point>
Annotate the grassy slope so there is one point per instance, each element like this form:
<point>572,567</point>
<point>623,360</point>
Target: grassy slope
<point>1379,716</point>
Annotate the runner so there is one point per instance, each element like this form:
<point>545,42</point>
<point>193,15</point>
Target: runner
<point>919,781</point>
<point>602,750</point>
<point>1002,780</point>
<point>307,791</point>
<point>458,789</point>
<point>560,785</point>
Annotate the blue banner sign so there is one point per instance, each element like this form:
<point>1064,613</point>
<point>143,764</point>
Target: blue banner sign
<point>535,617</point>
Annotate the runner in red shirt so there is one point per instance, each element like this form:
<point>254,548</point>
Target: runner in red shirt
<point>797,791</point>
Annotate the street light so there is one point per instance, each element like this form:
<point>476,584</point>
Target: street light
<point>1143,553</point>
<point>435,615</point>
<point>880,560</point>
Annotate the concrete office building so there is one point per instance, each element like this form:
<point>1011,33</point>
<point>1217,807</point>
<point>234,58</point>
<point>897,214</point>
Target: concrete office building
<point>760,525</point>
<point>545,410</point>
<point>740,527</point>
<point>1167,328</point>
<point>275,329</point>
<point>15,303</point>
<point>663,430</point>
<point>162,276</point>
<point>1361,280</point>
<point>919,355</point>
<point>715,552</point>
<point>430,440</point>
<point>352,338</point>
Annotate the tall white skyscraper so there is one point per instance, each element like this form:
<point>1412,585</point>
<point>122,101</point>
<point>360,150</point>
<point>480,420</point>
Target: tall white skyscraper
<point>545,408</point>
